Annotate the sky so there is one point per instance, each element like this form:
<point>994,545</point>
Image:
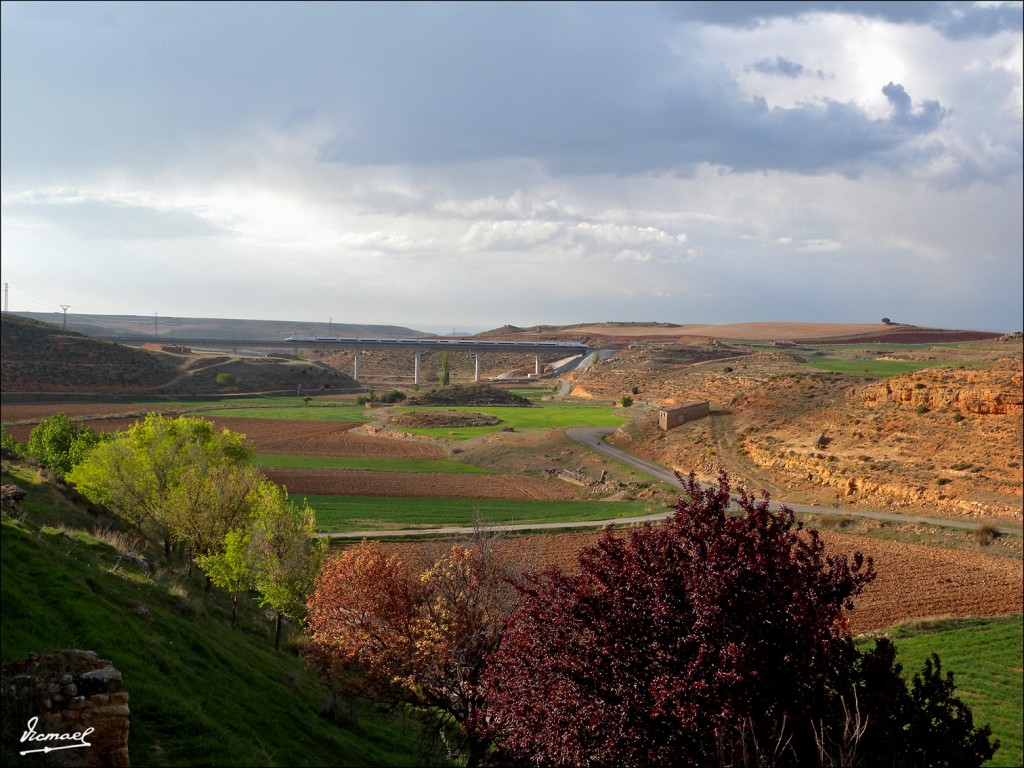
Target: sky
<point>468,165</point>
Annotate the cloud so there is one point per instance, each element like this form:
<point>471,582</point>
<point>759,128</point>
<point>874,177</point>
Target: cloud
<point>110,219</point>
<point>955,20</point>
<point>923,120</point>
<point>785,68</point>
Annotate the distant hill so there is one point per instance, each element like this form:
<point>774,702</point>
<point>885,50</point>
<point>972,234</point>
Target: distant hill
<point>38,357</point>
<point>809,333</point>
<point>166,329</point>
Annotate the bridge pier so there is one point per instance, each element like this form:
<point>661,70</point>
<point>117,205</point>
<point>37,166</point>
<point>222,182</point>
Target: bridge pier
<point>416,368</point>
<point>355,365</point>
<point>536,364</point>
<point>476,368</point>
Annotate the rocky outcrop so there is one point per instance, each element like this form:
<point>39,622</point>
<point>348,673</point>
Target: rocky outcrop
<point>970,392</point>
<point>67,708</point>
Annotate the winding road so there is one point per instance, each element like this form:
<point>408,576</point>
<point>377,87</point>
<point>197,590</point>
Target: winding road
<point>593,438</point>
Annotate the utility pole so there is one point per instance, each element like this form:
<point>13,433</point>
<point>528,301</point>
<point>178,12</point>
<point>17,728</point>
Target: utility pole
<point>7,288</point>
<point>156,326</point>
<point>65,308</point>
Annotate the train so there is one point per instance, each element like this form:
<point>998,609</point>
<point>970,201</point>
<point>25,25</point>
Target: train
<point>453,342</point>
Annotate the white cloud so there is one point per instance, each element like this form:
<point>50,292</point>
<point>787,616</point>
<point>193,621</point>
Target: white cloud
<point>409,163</point>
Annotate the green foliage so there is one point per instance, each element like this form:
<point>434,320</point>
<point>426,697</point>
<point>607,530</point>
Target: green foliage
<point>284,554</point>
<point>229,568</point>
<point>58,444</point>
<point>165,475</point>
<point>626,401</point>
<point>225,379</point>
<point>10,443</point>
<point>201,694</point>
<point>446,371</point>
<point>394,396</point>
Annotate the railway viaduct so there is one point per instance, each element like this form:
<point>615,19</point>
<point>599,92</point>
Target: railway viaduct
<point>417,346</point>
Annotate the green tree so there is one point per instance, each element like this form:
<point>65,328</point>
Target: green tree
<point>149,472</point>
<point>9,442</point>
<point>229,568</point>
<point>209,501</point>
<point>58,444</point>
<point>446,373</point>
<point>284,553</point>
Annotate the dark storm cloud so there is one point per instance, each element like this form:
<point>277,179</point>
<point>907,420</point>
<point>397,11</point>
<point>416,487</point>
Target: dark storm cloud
<point>619,92</point>
<point>955,20</point>
<point>780,66</point>
<point>686,128</point>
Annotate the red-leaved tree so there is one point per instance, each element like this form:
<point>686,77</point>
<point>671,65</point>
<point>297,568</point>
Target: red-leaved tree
<point>384,631</point>
<point>713,640</point>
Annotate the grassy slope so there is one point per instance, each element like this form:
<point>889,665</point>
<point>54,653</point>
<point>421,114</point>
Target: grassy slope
<point>986,660</point>
<point>200,693</point>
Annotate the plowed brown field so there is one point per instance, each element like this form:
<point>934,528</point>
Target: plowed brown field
<point>344,482</point>
<point>325,438</point>
<point>914,581</point>
<point>300,438</point>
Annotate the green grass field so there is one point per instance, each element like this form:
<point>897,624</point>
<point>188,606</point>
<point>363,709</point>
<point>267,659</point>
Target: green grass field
<point>200,693</point>
<point>880,368</point>
<point>987,662</point>
<point>547,415</point>
<point>277,461</point>
<point>356,513</point>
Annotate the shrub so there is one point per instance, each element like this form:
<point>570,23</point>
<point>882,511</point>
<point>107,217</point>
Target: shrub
<point>227,379</point>
<point>985,534</point>
<point>58,444</point>
<point>626,401</point>
<point>921,409</point>
<point>713,640</point>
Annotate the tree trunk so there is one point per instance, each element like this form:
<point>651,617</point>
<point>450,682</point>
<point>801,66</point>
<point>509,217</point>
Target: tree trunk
<point>277,635</point>
<point>234,608</point>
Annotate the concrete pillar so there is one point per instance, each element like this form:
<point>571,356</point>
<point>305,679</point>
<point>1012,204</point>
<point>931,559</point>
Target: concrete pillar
<point>416,368</point>
<point>476,370</point>
<point>355,365</point>
<point>536,364</point>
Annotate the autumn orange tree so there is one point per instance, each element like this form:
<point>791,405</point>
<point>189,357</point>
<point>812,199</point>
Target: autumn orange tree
<point>379,629</point>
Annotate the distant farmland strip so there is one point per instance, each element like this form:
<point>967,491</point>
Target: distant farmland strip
<point>874,367</point>
<point>354,482</point>
<point>355,513</point>
<point>443,466</point>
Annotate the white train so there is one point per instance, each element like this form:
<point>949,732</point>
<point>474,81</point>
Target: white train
<point>454,342</point>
